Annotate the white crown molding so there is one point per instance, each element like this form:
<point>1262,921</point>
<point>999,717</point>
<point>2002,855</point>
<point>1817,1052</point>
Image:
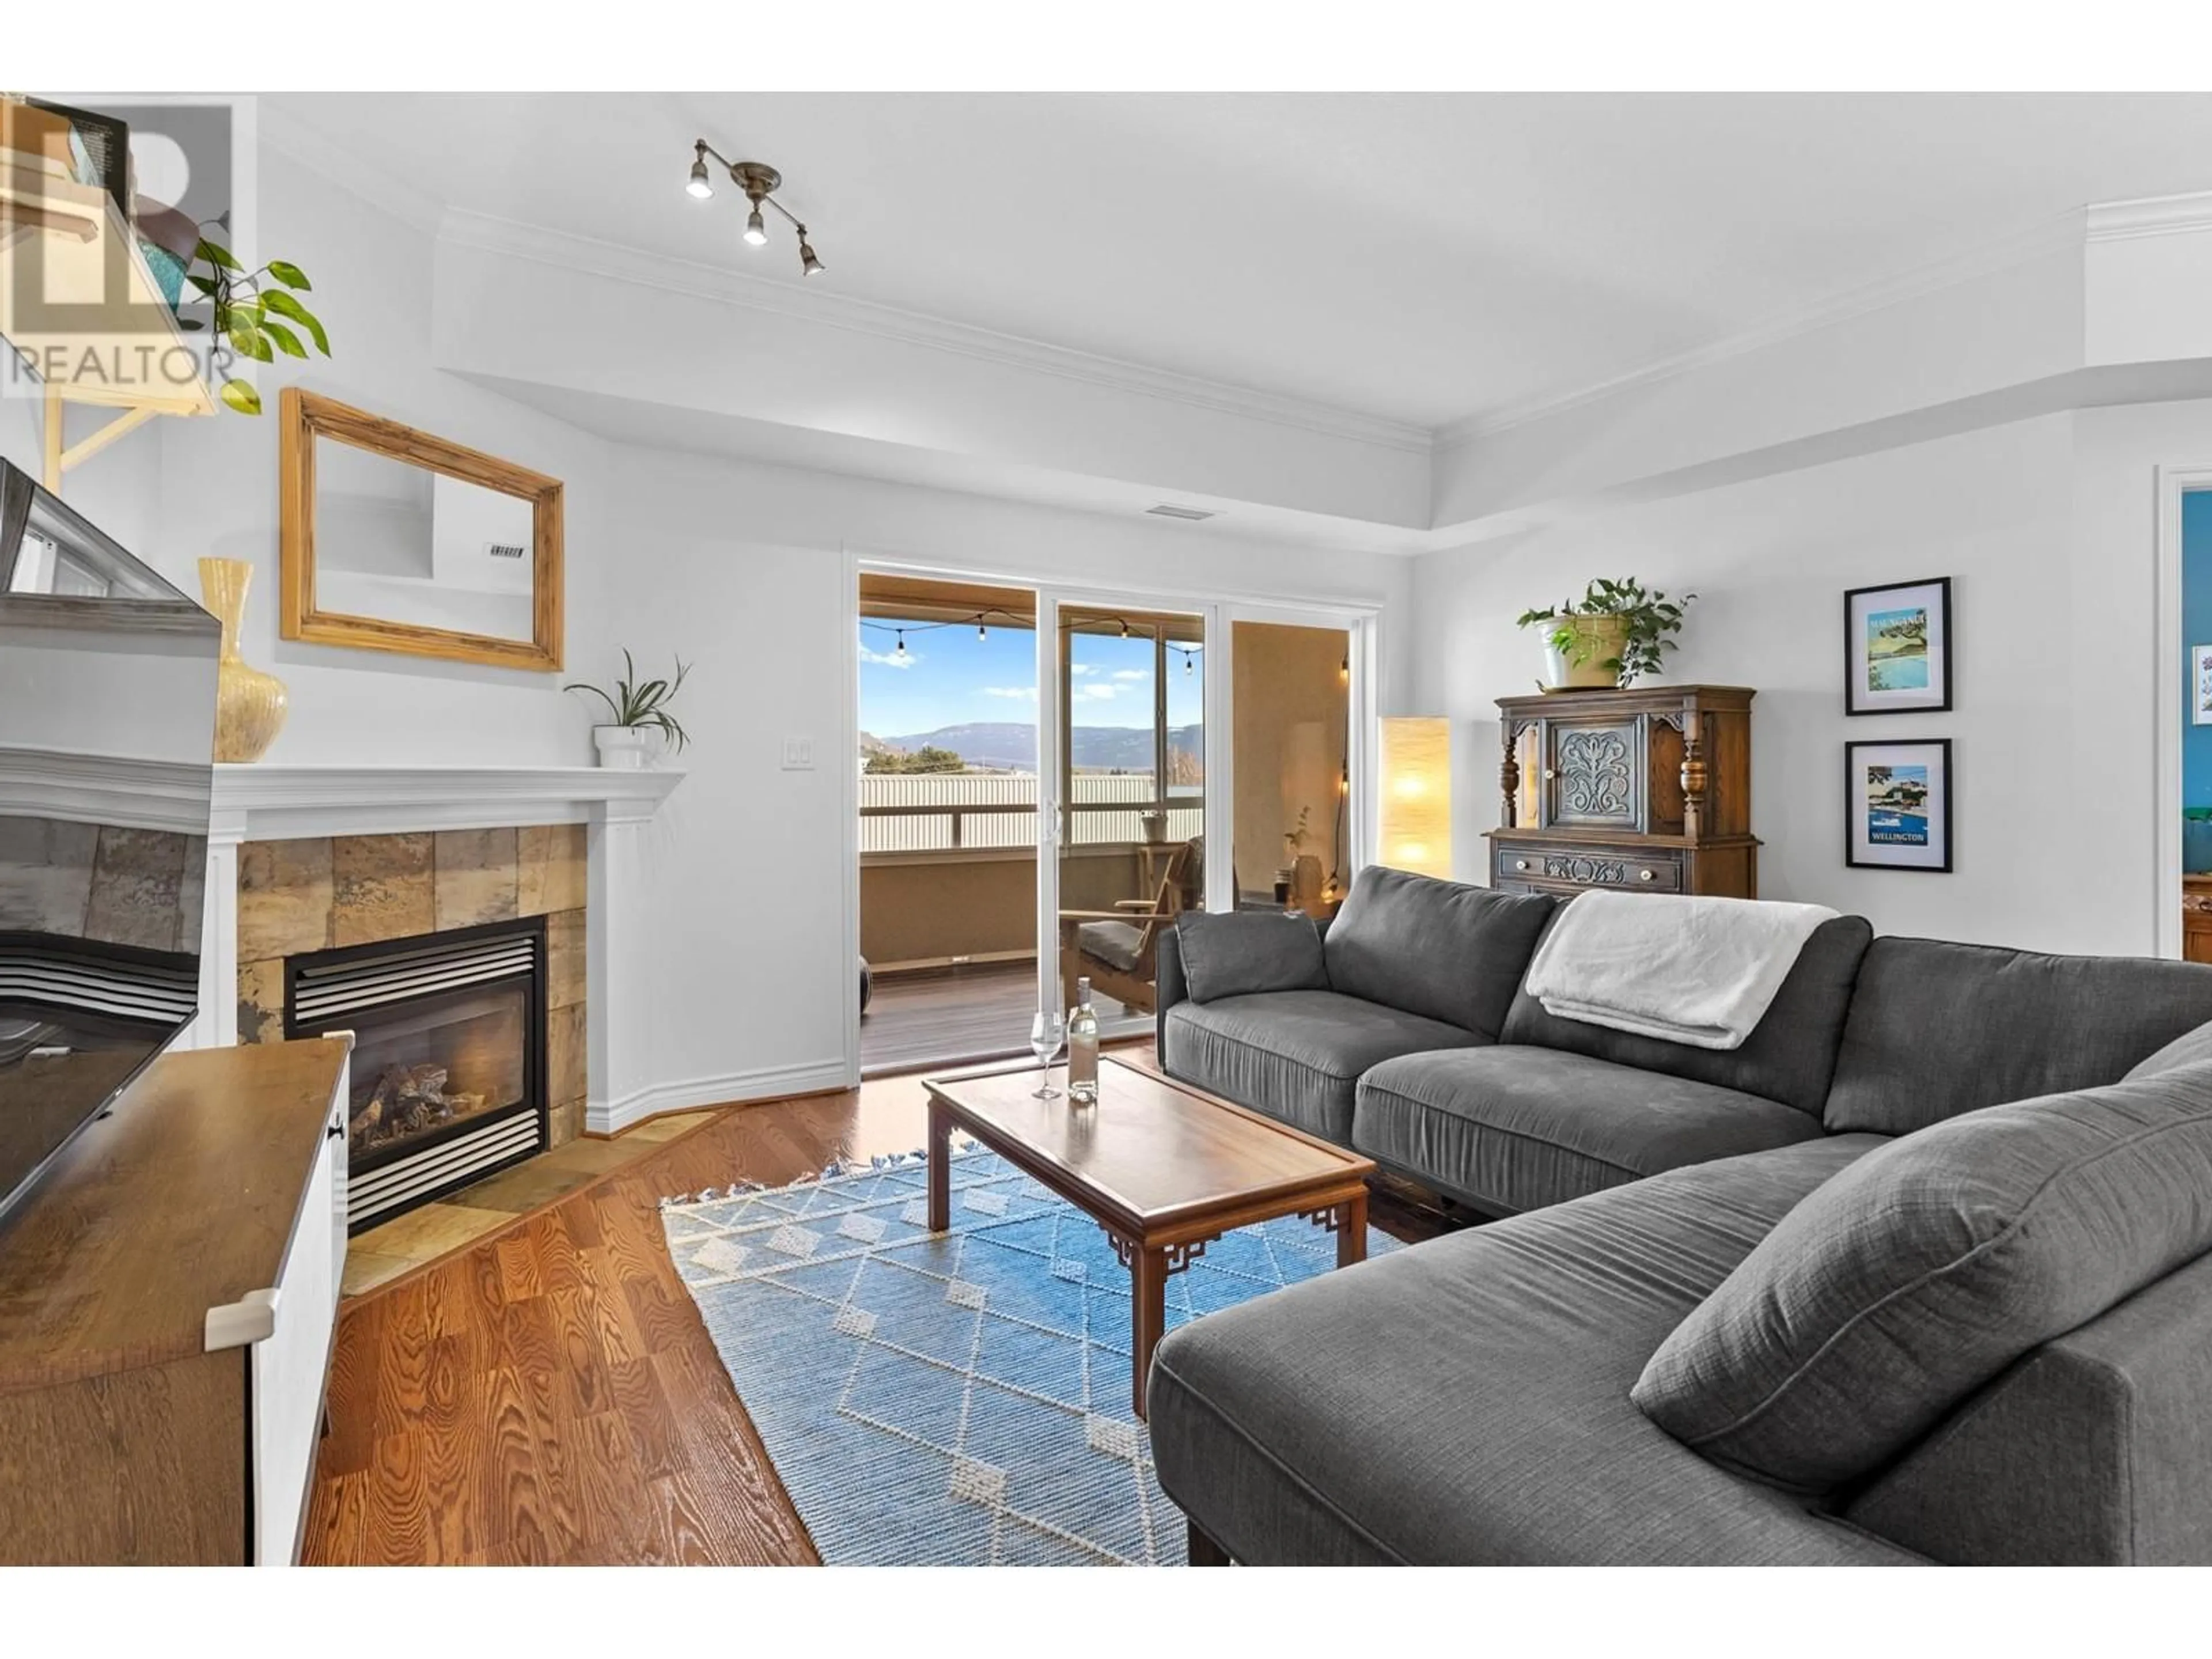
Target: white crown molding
<point>262,802</point>
<point>566,251</point>
<point>2151,216</point>
<point>2053,236</point>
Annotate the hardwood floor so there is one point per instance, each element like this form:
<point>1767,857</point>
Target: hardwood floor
<point>548,1394</point>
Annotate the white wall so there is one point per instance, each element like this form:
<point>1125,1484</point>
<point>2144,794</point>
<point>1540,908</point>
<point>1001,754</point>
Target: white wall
<point>747,582</point>
<point>738,566</point>
<point>178,490</point>
<point>2044,527</point>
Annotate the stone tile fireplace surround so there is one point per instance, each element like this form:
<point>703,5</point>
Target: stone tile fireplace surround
<point>305,859</point>
<point>320,892</point>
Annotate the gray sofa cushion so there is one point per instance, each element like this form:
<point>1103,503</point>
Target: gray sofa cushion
<point>2091,1452</point>
<point>1510,1128</point>
<point>1937,1028</point>
<point>1434,948</point>
<point>2188,1049</point>
<point>1788,1058</point>
<point>1296,1055</point>
<point>1116,942</point>
<point>1466,1400</point>
<point>1895,1291</point>
<point>1233,953</point>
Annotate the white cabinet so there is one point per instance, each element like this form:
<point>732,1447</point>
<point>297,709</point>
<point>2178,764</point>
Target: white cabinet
<point>289,1364</point>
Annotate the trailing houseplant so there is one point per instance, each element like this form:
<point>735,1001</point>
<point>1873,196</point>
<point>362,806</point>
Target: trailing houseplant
<point>638,707</point>
<point>1615,633</point>
<point>256,313</point>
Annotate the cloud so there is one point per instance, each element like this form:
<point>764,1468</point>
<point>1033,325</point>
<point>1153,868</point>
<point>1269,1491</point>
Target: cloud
<point>1132,673</point>
<point>1025,693</point>
<point>1100,693</point>
<point>889,658</point>
<point>1083,668</point>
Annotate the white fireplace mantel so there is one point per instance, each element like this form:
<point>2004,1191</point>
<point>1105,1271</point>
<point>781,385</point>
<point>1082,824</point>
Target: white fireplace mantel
<point>283,803</point>
<point>288,803</point>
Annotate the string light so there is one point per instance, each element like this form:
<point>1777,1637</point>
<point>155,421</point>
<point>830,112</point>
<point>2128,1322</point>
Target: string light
<point>901,652</point>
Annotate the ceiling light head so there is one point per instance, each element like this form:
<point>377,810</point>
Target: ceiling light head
<point>700,186</point>
<point>755,228</point>
<point>808,265</point>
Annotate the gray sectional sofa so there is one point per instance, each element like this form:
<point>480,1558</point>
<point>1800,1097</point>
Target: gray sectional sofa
<point>1531,1390</point>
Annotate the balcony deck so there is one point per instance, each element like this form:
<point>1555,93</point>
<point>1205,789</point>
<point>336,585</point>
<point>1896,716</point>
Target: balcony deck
<point>948,1016</point>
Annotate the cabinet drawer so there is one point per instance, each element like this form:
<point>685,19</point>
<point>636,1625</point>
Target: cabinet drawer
<point>1596,868</point>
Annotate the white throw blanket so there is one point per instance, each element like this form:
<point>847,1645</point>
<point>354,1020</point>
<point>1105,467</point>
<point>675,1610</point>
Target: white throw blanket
<point>1701,971</point>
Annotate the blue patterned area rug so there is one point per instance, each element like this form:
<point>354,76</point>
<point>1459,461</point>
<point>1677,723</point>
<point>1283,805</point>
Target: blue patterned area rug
<point>953,1399</point>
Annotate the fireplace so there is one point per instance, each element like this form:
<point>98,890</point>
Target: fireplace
<point>449,1056</point>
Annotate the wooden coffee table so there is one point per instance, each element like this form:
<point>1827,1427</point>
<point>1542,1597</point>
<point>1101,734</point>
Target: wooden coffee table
<point>1163,1167</point>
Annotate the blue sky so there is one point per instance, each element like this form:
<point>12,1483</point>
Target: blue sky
<point>950,677</point>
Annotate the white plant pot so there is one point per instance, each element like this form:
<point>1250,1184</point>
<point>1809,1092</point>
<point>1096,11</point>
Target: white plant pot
<point>623,748</point>
<point>1597,639</point>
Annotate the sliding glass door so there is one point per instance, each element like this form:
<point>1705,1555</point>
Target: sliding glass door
<point>1127,782</point>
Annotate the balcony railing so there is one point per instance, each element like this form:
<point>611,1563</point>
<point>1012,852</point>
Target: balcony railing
<point>960,812</point>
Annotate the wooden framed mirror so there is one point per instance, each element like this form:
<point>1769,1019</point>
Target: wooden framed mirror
<point>395,540</point>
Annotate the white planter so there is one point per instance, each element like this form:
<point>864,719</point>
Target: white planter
<point>623,748</point>
<point>1597,639</point>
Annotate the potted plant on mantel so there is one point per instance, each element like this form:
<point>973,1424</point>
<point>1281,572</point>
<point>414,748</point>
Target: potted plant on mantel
<point>640,717</point>
<point>1613,636</point>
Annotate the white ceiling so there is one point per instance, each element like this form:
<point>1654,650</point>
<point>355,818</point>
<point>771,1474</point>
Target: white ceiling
<point>1423,258</point>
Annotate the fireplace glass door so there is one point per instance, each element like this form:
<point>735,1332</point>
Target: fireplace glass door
<point>440,1061</point>
<point>448,1056</point>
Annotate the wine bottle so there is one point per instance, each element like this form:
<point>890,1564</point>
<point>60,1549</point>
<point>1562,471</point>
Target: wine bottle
<point>1083,1048</point>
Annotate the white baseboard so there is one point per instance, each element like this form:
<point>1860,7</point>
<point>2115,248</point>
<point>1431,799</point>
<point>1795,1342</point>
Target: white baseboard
<point>604,1117</point>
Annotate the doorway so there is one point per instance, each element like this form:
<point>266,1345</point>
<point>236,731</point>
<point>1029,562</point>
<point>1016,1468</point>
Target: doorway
<point>948,821</point>
<point>2193,903</point>
<point>1037,761</point>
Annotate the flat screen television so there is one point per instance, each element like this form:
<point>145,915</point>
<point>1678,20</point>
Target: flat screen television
<point>107,697</point>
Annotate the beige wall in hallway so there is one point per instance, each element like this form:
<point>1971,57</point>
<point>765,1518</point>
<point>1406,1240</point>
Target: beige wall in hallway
<point>1290,711</point>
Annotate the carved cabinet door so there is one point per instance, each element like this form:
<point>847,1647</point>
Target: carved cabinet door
<point>1594,774</point>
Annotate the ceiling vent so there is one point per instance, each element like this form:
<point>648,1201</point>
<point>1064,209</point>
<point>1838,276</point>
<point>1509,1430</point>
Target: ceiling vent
<point>1164,510</point>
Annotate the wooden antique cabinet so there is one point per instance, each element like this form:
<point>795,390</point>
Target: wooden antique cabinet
<point>168,1292</point>
<point>2197,918</point>
<point>1647,790</point>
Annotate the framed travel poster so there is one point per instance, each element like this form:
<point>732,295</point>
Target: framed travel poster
<point>2200,685</point>
<point>1897,648</point>
<point>1897,799</point>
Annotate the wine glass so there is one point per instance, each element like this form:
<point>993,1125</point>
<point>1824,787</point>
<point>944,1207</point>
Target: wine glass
<point>1047,1033</point>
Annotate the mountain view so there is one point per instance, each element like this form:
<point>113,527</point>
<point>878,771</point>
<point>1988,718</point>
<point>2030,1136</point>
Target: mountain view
<point>1009,746</point>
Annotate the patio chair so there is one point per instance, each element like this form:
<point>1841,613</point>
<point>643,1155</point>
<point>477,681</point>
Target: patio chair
<point>1115,949</point>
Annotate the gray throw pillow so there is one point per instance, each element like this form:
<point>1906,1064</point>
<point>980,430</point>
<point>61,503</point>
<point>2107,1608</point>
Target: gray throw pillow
<point>1915,1276</point>
<point>2187,1049</point>
<point>1437,949</point>
<point>1236,953</point>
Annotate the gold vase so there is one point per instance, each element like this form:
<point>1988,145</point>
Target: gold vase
<point>249,709</point>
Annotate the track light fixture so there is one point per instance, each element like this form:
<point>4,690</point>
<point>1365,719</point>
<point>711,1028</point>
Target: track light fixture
<point>759,181</point>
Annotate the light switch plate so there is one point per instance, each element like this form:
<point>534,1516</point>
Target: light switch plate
<point>799,754</point>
